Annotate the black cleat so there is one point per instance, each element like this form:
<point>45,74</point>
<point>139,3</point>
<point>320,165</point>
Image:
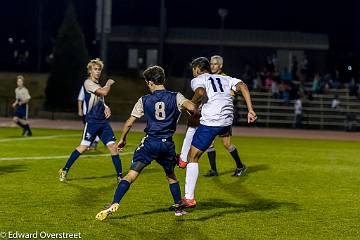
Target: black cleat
<point>211,173</point>
<point>240,171</point>
<point>175,207</point>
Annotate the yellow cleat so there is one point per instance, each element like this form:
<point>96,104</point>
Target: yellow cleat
<point>104,213</point>
<point>62,175</point>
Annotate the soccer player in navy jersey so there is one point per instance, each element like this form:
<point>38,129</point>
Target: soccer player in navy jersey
<point>161,109</point>
<point>82,113</point>
<point>96,121</point>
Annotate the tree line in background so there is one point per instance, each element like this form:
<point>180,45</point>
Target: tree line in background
<point>68,64</point>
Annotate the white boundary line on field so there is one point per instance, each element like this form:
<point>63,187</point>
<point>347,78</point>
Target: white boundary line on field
<point>59,157</point>
<point>38,138</point>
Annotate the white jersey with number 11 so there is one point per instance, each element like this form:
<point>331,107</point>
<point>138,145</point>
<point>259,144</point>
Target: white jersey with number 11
<point>218,107</point>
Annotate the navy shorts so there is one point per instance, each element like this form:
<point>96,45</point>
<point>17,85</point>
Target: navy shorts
<point>21,111</point>
<point>159,149</point>
<point>205,135</point>
<point>103,130</point>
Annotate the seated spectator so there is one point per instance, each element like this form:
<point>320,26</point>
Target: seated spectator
<point>285,75</point>
<point>294,68</point>
<point>268,82</point>
<point>350,122</point>
<point>316,84</point>
<point>298,111</point>
<point>275,90</point>
<point>353,87</point>
<point>335,80</point>
<point>335,103</point>
<point>284,90</point>
<point>256,84</point>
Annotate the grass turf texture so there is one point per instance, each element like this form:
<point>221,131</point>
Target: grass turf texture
<point>294,189</point>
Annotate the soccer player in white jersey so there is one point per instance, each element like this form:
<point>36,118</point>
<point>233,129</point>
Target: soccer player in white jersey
<point>97,123</point>
<point>216,64</point>
<point>21,105</point>
<point>82,113</point>
<point>216,116</point>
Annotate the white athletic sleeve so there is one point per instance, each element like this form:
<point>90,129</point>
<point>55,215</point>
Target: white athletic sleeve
<point>233,82</point>
<point>196,83</point>
<point>180,99</point>
<point>138,110</point>
<point>81,96</point>
<point>91,86</point>
<point>27,94</point>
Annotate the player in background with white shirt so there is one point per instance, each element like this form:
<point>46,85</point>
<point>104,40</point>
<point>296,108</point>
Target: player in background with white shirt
<point>21,105</point>
<point>216,64</point>
<point>217,114</point>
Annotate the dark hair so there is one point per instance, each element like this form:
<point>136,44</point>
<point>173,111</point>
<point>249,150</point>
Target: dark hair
<point>156,74</point>
<point>202,63</point>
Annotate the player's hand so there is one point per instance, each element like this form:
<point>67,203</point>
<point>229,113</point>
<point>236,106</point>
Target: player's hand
<point>251,117</point>
<point>107,112</point>
<point>110,82</point>
<point>80,113</point>
<point>14,104</point>
<point>121,144</point>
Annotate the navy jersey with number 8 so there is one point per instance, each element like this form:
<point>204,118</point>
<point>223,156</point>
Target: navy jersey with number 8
<point>162,110</point>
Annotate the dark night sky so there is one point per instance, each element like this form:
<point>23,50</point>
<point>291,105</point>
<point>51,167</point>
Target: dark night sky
<point>340,20</point>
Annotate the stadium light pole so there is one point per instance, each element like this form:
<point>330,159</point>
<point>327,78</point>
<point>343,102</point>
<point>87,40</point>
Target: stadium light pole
<point>222,13</point>
<point>162,31</point>
<point>39,36</point>
<point>103,26</point>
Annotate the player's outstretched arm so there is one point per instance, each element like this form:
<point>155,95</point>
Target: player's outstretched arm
<point>126,129</point>
<point>189,105</point>
<point>104,91</point>
<point>241,86</point>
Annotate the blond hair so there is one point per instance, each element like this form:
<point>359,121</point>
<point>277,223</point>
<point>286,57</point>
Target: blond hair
<point>94,62</point>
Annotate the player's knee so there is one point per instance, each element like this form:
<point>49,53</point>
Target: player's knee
<point>227,143</point>
<point>193,159</point>
<point>171,178</point>
<point>227,146</point>
<point>112,148</point>
<point>81,148</point>
<point>131,176</point>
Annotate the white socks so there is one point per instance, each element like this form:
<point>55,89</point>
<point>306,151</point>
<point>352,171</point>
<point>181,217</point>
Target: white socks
<point>187,143</point>
<point>192,173</point>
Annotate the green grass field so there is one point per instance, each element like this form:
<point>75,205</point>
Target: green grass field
<point>294,189</point>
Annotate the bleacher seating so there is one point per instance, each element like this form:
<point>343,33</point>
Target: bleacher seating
<point>317,112</point>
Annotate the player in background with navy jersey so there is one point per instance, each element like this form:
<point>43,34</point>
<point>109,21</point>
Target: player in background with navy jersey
<point>161,109</point>
<point>96,121</point>
<point>82,113</point>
